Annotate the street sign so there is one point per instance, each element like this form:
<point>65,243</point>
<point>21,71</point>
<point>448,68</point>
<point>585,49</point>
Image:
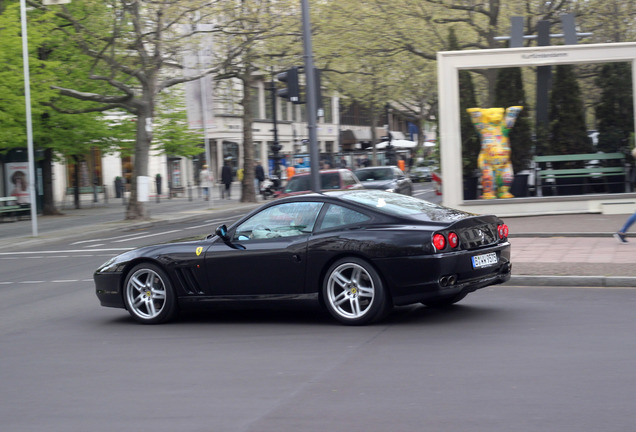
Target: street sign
<point>54,2</point>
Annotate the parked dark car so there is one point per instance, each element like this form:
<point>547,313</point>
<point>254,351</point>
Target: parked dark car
<point>386,178</point>
<point>357,252</point>
<point>333,179</point>
<point>420,174</point>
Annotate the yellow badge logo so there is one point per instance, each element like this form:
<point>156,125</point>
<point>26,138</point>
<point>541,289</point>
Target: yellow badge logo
<point>199,250</point>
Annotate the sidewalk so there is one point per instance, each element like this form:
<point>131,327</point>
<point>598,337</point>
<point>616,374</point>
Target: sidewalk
<point>567,250</point>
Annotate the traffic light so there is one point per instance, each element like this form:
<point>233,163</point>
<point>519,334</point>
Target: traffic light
<point>292,90</point>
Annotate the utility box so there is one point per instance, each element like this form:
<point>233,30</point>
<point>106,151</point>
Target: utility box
<point>143,188</point>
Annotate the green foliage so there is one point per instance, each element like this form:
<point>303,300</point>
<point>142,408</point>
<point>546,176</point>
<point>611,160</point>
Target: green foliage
<point>51,61</point>
<point>172,134</point>
<point>568,132</point>
<point>509,91</point>
<point>615,111</point>
<point>471,144</point>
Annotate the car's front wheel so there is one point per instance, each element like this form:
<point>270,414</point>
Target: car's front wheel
<point>148,294</point>
<point>353,292</point>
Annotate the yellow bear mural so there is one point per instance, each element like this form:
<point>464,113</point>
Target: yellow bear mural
<point>493,125</point>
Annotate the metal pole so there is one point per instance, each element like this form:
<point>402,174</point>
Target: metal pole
<point>27,101</point>
<point>204,118</point>
<point>275,146</point>
<point>312,106</point>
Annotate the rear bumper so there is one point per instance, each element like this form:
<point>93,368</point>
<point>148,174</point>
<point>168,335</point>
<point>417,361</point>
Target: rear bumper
<point>417,279</point>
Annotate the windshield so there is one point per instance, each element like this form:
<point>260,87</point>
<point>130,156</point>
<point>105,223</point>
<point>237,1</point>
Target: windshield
<point>374,174</point>
<point>404,205</point>
<point>300,183</point>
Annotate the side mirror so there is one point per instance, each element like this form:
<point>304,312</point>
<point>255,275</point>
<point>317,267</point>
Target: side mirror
<point>222,232</point>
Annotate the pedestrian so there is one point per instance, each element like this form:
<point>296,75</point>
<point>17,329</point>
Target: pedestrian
<point>206,180</point>
<point>290,171</point>
<point>259,176</point>
<point>226,179</point>
<point>621,235</point>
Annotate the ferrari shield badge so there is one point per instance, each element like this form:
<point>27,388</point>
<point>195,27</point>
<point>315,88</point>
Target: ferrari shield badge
<point>199,250</point>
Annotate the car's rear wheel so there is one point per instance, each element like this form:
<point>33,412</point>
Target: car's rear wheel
<point>353,292</point>
<point>443,302</point>
<point>148,294</point>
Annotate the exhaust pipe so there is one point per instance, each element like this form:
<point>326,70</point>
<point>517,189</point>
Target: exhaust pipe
<point>446,281</point>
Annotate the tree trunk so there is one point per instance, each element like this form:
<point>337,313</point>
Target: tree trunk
<point>374,136</point>
<point>76,182</point>
<point>48,205</point>
<point>137,209</point>
<point>248,193</point>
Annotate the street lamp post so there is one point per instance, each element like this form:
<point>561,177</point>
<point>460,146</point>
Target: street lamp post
<point>29,126</point>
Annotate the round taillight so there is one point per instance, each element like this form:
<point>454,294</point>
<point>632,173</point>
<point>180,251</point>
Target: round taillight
<point>439,241</point>
<point>453,240</point>
<point>503,231</point>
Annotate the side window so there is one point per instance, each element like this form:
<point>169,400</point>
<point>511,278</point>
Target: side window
<point>284,220</point>
<point>348,179</point>
<point>336,216</point>
<point>330,181</point>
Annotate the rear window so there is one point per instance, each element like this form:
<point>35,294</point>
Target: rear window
<point>403,205</point>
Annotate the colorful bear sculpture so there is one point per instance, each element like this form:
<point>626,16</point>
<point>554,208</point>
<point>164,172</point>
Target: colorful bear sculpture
<point>493,125</point>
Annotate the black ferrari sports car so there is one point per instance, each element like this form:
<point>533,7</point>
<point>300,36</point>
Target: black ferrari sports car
<point>357,252</point>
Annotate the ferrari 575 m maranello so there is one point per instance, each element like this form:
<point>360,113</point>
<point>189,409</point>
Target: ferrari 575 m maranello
<point>358,253</point>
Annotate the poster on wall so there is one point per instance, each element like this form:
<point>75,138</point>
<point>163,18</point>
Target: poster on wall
<point>17,181</point>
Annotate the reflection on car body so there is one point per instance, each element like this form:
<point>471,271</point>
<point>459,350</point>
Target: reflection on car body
<point>359,252</point>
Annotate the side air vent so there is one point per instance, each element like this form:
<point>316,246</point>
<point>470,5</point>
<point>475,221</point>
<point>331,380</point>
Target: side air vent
<point>187,281</point>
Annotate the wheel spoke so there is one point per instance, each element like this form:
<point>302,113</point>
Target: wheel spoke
<point>340,279</point>
<point>158,294</point>
<point>151,308</point>
<point>355,306</point>
<point>340,298</point>
<point>137,284</point>
<point>138,301</point>
<point>355,275</point>
<point>365,291</point>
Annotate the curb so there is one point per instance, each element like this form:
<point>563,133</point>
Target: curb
<point>574,281</point>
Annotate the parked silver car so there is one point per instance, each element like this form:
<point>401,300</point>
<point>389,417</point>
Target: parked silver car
<point>387,178</point>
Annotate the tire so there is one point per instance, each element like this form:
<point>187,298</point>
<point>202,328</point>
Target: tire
<point>353,292</point>
<point>444,302</point>
<point>149,295</point>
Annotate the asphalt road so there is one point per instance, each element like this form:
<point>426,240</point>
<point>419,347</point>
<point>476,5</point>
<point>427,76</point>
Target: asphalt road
<point>505,359</point>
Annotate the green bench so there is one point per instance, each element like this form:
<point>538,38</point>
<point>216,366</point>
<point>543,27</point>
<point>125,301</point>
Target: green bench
<point>10,208</point>
<point>543,172</point>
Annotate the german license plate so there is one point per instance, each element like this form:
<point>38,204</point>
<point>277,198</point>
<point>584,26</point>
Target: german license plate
<point>484,260</point>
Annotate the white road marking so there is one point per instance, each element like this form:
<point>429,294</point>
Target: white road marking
<point>104,239</point>
<point>83,251</point>
<point>146,236</point>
